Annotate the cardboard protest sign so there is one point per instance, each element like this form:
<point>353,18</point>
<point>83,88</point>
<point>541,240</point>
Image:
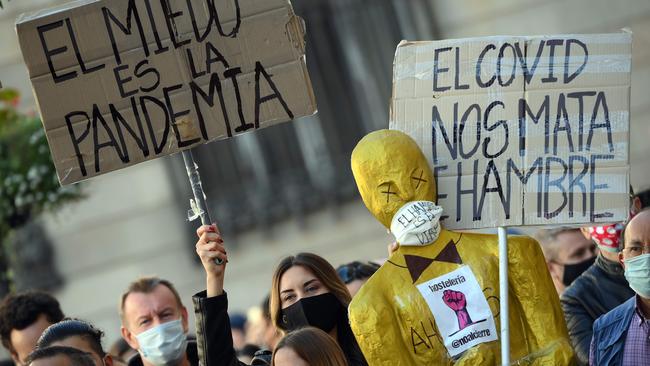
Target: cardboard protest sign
<point>520,130</point>
<point>123,81</point>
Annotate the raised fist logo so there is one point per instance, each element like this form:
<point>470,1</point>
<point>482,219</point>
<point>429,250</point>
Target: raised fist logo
<point>457,302</point>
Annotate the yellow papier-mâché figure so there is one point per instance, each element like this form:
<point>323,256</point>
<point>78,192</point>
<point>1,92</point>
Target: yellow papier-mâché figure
<point>436,300</point>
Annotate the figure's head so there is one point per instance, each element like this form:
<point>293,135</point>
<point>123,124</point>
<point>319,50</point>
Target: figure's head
<point>59,356</point>
<point>308,347</point>
<point>23,318</point>
<point>307,291</point>
<point>390,171</point>
<point>77,334</point>
<point>154,321</point>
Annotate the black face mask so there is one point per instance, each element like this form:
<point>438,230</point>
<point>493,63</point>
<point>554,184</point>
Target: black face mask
<point>573,271</point>
<point>320,311</point>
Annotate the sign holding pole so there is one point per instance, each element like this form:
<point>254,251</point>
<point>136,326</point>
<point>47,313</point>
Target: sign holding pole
<point>198,206</point>
<point>503,296</point>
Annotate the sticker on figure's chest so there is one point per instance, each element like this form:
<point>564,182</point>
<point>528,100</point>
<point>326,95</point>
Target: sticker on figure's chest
<point>460,309</point>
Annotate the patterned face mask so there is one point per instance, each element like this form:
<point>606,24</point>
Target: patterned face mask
<point>607,237</point>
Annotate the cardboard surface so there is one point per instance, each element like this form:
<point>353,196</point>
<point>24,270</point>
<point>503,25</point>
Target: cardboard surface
<point>520,130</point>
<point>124,81</point>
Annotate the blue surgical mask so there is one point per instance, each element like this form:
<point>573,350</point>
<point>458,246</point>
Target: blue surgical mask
<point>164,344</point>
<point>637,273</point>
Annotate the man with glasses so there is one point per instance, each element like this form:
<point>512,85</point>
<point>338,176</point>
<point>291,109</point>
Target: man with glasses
<point>622,336</point>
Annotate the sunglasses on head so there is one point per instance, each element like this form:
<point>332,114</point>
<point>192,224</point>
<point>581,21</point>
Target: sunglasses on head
<point>356,271</point>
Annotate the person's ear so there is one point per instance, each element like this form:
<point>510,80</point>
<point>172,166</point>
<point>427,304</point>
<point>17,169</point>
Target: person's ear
<point>621,260</point>
<point>585,232</point>
<point>184,318</point>
<point>129,338</point>
<point>108,360</point>
<point>15,358</point>
<point>636,205</point>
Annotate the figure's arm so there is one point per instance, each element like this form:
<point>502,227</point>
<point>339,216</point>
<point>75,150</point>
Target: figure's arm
<point>542,315</point>
<point>579,323</point>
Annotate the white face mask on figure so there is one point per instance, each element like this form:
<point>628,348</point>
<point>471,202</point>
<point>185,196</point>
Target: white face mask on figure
<point>164,344</point>
<point>416,223</point>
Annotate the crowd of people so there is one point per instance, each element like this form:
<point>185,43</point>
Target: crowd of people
<point>601,273</point>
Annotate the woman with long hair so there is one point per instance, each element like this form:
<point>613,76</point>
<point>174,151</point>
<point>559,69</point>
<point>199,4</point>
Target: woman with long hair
<point>306,291</point>
<point>308,347</point>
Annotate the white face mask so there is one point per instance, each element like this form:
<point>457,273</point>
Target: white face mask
<point>164,344</point>
<point>417,223</point>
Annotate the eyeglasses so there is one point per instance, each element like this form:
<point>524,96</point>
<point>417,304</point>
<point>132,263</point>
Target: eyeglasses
<point>637,250</point>
<point>356,271</point>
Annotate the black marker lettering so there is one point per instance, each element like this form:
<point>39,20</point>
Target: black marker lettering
<point>439,70</point>
<point>76,140</point>
<point>479,62</point>
<point>259,100</point>
<point>53,52</point>
<point>567,60</point>
<point>132,12</point>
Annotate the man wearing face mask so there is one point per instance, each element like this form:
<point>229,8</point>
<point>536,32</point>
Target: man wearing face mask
<point>154,322</point>
<point>622,336</point>
<point>568,254</point>
<point>600,288</point>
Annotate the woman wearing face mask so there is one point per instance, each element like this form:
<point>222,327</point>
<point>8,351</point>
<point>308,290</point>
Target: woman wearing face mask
<point>306,291</point>
<point>308,347</point>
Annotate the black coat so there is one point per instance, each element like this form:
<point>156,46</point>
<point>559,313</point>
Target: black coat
<point>214,338</point>
<point>601,288</point>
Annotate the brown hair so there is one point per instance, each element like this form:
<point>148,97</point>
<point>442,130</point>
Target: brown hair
<point>146,285</point>
<point>314,346</point>
<point>547,239</point>
<point>321,268</point>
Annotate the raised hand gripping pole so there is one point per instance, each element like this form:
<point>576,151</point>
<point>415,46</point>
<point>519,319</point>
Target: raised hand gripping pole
<point>198,206</point>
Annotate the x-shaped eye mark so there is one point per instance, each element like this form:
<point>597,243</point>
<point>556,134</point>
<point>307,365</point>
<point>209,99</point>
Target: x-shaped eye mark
<point>388,193</point>
<point>419,179</point>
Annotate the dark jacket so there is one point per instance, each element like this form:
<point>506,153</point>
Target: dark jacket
<point>191,352</point>
<point>214,337</point>
<point>601,288</point>
<point>213,333</point>
<point>609,334</point>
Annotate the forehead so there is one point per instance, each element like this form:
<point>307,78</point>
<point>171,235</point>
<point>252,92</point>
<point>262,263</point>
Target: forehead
<point>139,303</point>
<point>295,277</point>
<point>638,228</point>
<point>387,158</point>
<point>76,342</point>
<point>286,356</point>
<point>571,239</point>
<point>58,360</point>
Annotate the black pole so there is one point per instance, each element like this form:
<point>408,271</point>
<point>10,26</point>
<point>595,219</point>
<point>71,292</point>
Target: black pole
<point>197,189</point>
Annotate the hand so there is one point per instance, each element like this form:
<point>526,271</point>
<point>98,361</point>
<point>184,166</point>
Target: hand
<point>454,299</point>
<point>210,247</point>
<point>457,302</point>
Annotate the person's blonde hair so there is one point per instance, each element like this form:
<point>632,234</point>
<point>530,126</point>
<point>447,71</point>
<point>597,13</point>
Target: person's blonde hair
<point>314,346</point>
<point>321,268</point>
